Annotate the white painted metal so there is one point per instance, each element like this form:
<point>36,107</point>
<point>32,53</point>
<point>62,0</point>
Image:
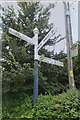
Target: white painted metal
<point>34,41</point>
<point>46,38</point>
<point>21,36</point>
<point>35,38</point>
<point>50,61</point>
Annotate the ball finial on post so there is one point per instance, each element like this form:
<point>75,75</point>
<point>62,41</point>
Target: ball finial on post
<point>36,31</point>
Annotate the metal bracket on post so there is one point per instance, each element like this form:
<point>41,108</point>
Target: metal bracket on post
<point>36,32</point>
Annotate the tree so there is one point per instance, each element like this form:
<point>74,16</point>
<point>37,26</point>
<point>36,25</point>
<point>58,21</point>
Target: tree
<point>17,54</point>
<point>18,72</point>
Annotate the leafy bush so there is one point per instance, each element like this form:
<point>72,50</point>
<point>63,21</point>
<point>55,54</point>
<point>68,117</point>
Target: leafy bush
<point>18,79</point>
<point>65,105</point>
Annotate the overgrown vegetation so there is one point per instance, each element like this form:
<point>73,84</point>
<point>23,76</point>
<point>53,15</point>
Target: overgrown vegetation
<point>18,66</point>
<point>63,106</point>
<point>18,69</point>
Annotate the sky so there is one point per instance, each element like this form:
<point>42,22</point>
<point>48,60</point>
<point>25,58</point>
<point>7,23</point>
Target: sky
<point>58,19</point>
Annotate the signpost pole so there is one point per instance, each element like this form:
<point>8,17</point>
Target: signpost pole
<point>34,41</point>
<point>36,32</point>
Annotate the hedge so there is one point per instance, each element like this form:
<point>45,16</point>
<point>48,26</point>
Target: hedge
<point>63,106</point>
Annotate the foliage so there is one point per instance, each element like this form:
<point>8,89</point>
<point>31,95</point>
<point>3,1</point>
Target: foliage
<point>18,65</point>
<point>16,77</point>
<point>63,106</point>
<point>57,77</point>
<point>18,69</point>
<point>76,64</point>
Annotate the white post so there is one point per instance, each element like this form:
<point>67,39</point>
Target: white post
<point>36,32</point>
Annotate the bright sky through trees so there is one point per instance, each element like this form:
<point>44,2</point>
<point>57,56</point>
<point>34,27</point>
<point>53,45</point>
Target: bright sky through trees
<point>57,17</point>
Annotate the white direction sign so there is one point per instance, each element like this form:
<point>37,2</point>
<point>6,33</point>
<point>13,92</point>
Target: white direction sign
<point>22,36</point>
<point>46,38</point>
<point>50,61</point>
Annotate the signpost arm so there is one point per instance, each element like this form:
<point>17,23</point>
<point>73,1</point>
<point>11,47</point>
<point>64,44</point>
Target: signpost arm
<point>50,61</point>
<point>21,36</point>
<point>35,66</point>
<point>46,38</point>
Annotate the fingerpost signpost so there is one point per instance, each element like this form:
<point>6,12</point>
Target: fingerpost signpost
<point>37,47</point>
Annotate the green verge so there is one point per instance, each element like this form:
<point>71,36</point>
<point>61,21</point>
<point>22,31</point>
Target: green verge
<point>62,106</point>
